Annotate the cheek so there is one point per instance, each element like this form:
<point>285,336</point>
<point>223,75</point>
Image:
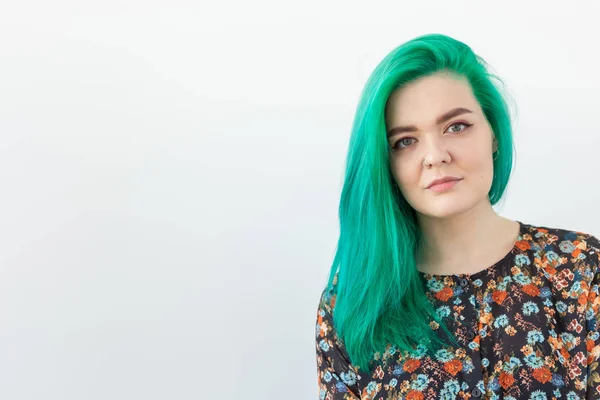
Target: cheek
<point>483,171</point>
<point>407,175</point>
<point>404,172</point>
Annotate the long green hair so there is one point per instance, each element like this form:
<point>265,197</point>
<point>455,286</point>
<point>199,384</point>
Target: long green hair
<point>380,296</point>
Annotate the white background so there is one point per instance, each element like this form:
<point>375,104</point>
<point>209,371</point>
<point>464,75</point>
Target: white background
<point>170,175</point>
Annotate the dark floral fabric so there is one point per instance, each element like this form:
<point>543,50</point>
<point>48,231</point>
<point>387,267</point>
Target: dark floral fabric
<point>528,328</point>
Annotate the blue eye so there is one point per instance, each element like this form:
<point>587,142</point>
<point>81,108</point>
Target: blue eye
<point>403,141</point>
<point>460,123</point>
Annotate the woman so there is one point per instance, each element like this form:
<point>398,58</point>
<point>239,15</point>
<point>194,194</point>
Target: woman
<point>432,294</point>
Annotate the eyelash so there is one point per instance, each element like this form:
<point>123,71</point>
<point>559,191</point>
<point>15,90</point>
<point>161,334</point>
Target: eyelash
<point>394,147</point>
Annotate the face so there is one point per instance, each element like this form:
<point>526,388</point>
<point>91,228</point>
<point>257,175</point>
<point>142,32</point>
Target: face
<point>428,146</point>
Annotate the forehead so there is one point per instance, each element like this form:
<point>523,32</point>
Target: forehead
<point>423,100</point>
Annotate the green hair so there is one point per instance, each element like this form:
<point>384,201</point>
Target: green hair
<point>379,294</point>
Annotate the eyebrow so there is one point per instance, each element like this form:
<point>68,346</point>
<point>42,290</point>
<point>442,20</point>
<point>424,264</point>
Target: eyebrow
<point>440,120</point>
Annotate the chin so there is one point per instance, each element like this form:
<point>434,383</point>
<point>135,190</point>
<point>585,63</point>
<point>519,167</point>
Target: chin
<point>445,207</point>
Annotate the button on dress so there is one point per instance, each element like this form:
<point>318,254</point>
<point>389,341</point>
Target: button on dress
<point>527,325</point>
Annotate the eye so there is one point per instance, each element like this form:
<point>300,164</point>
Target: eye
<point>402,143</point>
<point>460,123</point>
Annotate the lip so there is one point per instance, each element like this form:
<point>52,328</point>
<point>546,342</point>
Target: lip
<point>445,179</point>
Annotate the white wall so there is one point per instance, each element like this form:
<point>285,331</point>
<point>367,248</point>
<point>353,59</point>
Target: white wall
<point>170,175</point>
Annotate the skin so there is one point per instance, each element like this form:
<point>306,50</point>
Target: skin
<point>463,234</point>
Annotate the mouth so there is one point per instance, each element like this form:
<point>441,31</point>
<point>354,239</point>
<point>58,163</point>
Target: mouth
<point>444,185</point>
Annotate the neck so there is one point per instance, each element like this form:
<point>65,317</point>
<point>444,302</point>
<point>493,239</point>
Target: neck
<point>464,243</point>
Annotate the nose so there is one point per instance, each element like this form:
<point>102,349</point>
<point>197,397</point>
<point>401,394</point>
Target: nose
<point>435,153</point>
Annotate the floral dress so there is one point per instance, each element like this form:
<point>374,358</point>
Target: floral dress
<point>528,328</point>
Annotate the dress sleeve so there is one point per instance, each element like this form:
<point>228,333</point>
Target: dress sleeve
<point>337,377</point>
<point>592,316</point>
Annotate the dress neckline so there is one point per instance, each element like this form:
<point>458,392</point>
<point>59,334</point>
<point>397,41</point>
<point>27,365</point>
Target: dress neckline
<point>507,257</point>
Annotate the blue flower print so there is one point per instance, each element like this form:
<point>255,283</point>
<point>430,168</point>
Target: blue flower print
<point>530,308</point>
<point>444,355</point>
<point>533,361</point>
<point>435,285</point>
<point>570,235</point>
<point>557,380</point>
<point>534,337</point>
<point>348,378</point>
<point>522,279</point>
<point>553,257</point>
<point>443,311</point>
<point>341,387</point>
<point>561,307</point>
<point>473,345</point>
<point>472,299</point>
<point>538,395</point>
<point>420,383</point>
<point>324,345</point>
<point>501,321</point>
<point>451,388</point>
<point>522,259</point>
<point>545,292</point>
<point>468,366</point>
<point>494,384</point>
<point>398,370</point>
<point>572,396</point>
<point>567,338</point>
<point>371,387</point>
<point>515,362</point>
<point>566,246</point>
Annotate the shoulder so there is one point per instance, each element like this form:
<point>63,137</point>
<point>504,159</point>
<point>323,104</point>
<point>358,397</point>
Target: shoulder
<point>565,256</point>
<point>565,242</point>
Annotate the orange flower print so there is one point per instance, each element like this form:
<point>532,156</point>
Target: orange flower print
<point>589,345</point>
<point>412,364</point>
<point>444,294</point>
<point>542,374</point>
<point>549,269</point>
<point>498,296</point>
<point>453,367</point>
<point>527,350</point>
<point>531,290</point>
<point>414,395</point>
<point>506,380</point>
<point>523,245</point>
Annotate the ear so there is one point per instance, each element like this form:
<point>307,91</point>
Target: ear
<point>495,145</point>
